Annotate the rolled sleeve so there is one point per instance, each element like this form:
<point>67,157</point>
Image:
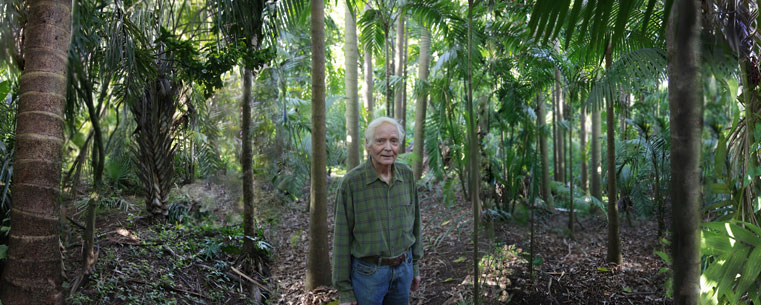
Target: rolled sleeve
<point>342,239</point>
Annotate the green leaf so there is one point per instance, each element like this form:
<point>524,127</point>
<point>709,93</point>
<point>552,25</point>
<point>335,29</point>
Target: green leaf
<point>664,256</point>
<point>3,251</point>
<point>460,259</point>
<point>603,269</point>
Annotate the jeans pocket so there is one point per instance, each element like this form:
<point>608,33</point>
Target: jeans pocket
<point>364,268</point>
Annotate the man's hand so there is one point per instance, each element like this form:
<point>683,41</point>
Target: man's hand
<point>415,283</point>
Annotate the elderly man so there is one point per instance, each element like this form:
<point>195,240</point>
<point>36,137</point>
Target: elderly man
<point>377,241</point>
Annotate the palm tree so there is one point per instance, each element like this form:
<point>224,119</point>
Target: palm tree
<point>422,100</point>
<point>352,99</point>
<point>686,117</point>
<point>614,238</point>
<point>540,126</point>
<point>33,271</point>
<point>399,58</point>
<point>318,260</point>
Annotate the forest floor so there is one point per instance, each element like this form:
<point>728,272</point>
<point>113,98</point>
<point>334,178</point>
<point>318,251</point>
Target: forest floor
<point>194,261</point>
<point>568,270</point>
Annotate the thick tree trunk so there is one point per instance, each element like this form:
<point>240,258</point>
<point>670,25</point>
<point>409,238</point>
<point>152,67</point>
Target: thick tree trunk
<point>686,117</point>
<point>422,101</point>
<point>318,259</point>
<point>614,239</point>
<point>540,124</point>
<point>352,99</point>
<point>32,274</point>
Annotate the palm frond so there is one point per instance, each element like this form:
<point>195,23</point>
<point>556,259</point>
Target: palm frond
<point>633,70</point>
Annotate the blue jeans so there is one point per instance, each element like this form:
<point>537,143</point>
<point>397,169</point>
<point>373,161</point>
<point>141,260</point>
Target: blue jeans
<point>377,284</point>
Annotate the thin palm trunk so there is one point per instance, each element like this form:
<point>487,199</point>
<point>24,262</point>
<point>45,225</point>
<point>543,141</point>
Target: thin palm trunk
<point>318,259</point>
<point>32,273</point>
<point>614,239</point>
<point>686,117</point>
<point>399,64</point>
<point>246,160</point>
<point>582,148</point>
<point>596,166</point>
<point>352,99</point>
<point>570,173</point>
<point>561,109</point>
<point>555,149</point>
<point>473,150</point>
<point>422,101</point>
<point>541,116</point>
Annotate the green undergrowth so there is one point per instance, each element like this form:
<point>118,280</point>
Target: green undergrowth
<point>189,262</point>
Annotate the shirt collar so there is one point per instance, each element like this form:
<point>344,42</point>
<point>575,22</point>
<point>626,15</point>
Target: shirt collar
<point>371,175</point>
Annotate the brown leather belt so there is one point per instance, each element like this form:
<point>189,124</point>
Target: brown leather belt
<point>393,262</point>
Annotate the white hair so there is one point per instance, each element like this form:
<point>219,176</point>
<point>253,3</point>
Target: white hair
<point>370,131</point>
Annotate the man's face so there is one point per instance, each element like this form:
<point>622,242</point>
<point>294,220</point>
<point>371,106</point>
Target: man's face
<point>385,144</point>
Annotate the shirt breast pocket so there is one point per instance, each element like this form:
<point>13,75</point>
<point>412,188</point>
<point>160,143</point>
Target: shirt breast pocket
<point>407,210</point>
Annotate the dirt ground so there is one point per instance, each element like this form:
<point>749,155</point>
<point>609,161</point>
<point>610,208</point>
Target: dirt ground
<point>572,271</point>
<point>142,262</point>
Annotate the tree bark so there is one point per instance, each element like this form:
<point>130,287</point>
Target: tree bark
<point>614,239</point>
<point>32,274</point>
<point>540,123</point>
<point>318,260</point>
<point>352,99</point>
<point>422,101</point>
<point>686,117</point>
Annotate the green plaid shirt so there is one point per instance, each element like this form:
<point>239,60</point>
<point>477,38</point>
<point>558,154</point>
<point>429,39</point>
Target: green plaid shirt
<point>374,218</point>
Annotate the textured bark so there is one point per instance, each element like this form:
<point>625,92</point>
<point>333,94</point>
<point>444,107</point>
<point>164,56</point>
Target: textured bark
<point>352,99</point>
<point>32,274</point>
<point>422,101</point>
<point>596,166</point>
<point>154,136</point>
<point>246,162</point>
<point>541,116</point>
<point>614,238</point>
<point>686,117</point>
<point>318,260</point>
